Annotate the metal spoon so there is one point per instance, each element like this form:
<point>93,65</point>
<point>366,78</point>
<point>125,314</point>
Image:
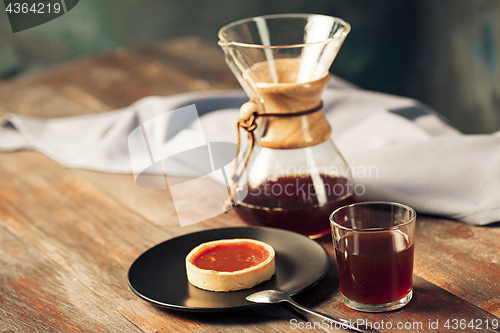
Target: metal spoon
<point>276,296</point>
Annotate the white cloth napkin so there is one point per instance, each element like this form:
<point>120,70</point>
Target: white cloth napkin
<point>397,148</point>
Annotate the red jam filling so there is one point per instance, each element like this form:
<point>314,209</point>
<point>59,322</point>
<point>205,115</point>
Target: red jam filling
<point>231,257</point>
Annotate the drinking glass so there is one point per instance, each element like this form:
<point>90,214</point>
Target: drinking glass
<point>374,249</point>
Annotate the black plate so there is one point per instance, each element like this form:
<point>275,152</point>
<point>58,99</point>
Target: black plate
<point>159,274</point>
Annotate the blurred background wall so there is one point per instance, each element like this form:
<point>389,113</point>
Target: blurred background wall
<point>445,53</point>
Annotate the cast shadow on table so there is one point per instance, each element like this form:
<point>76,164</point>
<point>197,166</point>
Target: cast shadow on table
<point>431,302</point>
<point>267,313</point>
<point>493,225</point>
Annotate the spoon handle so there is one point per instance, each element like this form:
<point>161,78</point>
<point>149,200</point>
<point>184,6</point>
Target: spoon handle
<point>342,322</point>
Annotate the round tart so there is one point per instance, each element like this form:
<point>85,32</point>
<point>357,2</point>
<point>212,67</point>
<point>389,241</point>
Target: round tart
<point>230,264</point>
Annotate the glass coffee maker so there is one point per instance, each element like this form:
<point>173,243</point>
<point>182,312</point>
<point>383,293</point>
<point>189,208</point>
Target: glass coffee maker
<point>290,174</point>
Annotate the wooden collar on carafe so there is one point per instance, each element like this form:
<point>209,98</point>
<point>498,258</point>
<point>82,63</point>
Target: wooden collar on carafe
<point>249,113</point>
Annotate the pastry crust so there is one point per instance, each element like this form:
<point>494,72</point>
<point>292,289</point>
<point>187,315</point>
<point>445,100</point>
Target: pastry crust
<point>229,281</point>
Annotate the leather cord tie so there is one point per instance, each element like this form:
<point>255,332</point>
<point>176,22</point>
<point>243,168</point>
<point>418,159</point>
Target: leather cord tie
<point>249,125</point>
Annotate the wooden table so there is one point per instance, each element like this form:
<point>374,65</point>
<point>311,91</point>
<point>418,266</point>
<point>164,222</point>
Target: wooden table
<point>68,236</point>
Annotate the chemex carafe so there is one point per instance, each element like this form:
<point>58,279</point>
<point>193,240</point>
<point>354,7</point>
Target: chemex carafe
<point>291,175</point>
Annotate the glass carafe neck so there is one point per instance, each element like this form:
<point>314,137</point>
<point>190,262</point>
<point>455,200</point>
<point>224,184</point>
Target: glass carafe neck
<point>279,91</point>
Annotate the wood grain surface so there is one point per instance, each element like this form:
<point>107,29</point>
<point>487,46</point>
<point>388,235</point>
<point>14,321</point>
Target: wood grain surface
<point>68,236</point>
